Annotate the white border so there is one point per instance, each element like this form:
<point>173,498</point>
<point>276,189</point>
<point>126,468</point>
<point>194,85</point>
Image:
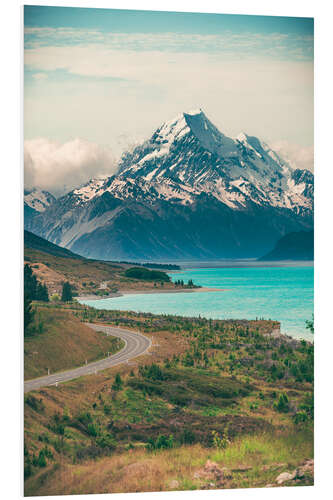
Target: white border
<point>11,230</point>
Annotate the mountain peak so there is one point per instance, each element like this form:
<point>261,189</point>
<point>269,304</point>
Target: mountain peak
<point>179,126</point>
<point>242,137</point>
<point>38,199</point>
<point>194,112</point>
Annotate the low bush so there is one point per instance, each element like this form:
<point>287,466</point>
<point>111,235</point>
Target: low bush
<point>160,443</point>
<point>282,405</point>
<point>34,403</point>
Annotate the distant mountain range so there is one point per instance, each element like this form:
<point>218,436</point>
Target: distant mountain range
<point>189,192</point>
<point>36,201</point>
<point>293,246</point>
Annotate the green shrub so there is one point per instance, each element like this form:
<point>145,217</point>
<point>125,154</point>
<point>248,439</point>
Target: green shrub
<point>34,403</point>
<point>118,383</point>
<point>107,409</point>
<point>106,441</point>
<point>220,441</point>
<point>152,372</point>
<point>161,442</point>
<point>41,461</point>
<point>92,429</point>
<point>283,403</point>
<point>187,436</point>
<point>301,417</point>
<point>27,470</point>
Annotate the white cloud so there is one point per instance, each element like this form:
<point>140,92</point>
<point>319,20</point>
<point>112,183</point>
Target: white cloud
<point>269,99</point>
<point>60,167</point>
<point>109,85</point>
<point>273,44</point>
<point>297,156</point>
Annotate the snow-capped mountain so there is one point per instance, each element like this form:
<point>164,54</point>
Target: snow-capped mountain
<point>35,202</point>
<point>188,156</point>
<point>38,199</point>
<point>187,192</point>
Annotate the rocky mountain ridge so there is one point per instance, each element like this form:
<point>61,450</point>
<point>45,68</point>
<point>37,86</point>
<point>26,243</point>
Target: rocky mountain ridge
<point>189,191</point>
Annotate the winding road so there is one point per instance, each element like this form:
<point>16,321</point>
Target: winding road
<point>135,345</point>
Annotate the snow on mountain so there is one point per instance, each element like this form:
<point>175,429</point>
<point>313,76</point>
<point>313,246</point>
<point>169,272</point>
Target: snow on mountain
<point>38,199</point>
<point>190,155</point>
<point>89,190</point>
<point>173,191</point>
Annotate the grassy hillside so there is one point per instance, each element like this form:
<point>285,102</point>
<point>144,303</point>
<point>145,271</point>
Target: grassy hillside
<point>89,276</point>
<point>64,342</point>
<point>37,243</point>
<point>85,275</point>
<point>226,391</point>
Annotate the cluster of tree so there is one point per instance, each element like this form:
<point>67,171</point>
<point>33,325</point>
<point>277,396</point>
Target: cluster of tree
<point>190,283</point>
<point>141,273</point>
<point>33,290</point>
<point>152,372</point>
<point>169,267</point>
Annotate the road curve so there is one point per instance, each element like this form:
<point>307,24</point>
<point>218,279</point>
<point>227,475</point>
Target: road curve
<point>135,345</point>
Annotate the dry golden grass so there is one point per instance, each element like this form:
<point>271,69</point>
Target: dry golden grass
<point>53,279</point>
<point>77,271</point>
<point>64,343</point>
<point>86,275</point>
<point>139,471</point>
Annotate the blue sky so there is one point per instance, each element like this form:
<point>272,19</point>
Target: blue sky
<point>125,21</point>
<point>110,77</point>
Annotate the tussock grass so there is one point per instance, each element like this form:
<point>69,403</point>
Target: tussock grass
<point>144,471</point>
<point>267,448</point>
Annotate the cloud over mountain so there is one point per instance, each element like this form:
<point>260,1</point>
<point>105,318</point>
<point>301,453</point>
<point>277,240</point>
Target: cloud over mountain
<point>297,156</point>
<point>59,167</point>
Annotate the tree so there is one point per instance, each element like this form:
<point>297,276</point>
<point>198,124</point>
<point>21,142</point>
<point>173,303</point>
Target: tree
<point>283,403</point>
<point>42,292</point>
<point>30,283</point>
<point>34,289</point>
<point>118,383</point>
<point>28,315</point>
<point>66,295</point>
<point>310,324</point>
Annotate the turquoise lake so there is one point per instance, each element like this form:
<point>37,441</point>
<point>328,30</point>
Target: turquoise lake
<point>281,293</point>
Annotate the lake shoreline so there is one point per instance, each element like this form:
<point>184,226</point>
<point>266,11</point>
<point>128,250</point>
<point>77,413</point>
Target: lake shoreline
<point>123,293</point>
<point>284,294</point>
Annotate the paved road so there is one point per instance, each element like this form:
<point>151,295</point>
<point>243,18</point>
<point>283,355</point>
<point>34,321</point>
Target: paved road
<point>135,344</point>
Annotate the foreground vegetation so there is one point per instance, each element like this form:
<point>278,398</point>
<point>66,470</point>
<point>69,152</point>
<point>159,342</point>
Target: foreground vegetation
<point>224,391</point>
<point>251,461</point>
